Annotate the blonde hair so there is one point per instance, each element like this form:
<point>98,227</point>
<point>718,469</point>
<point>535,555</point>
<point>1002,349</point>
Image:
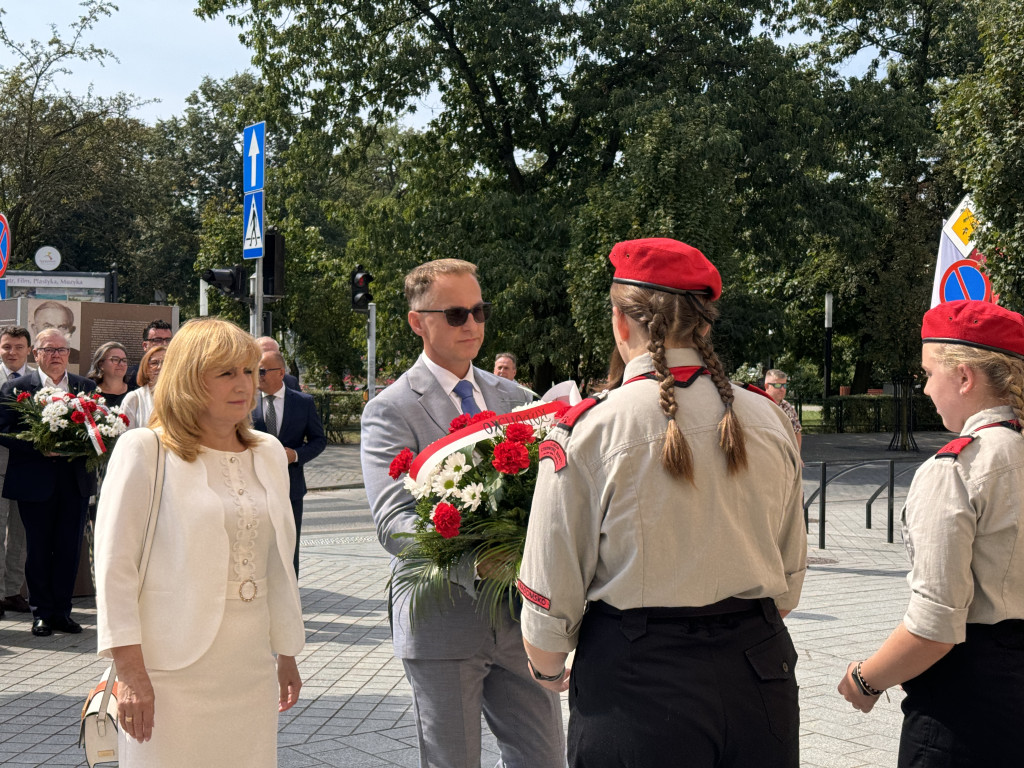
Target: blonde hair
<point>421,279</point>
<point>1005,374</point>
<point>143,376</point>
<point>181,398</point>
<point>680,320</point>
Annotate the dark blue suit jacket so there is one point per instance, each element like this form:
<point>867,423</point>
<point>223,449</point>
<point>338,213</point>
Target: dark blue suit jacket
<point>31,476</point>
<point>301,430</point>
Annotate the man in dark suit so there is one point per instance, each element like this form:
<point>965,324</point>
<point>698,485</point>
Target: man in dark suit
<point>291,416</point>
<point>52,493</point>
<point>456,664</point>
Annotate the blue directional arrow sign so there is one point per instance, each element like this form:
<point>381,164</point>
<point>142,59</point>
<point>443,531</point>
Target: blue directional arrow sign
<point>252,226</point>
<point>254,156</point>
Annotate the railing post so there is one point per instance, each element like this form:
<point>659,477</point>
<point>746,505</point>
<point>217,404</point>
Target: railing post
<point>821,509</point>
<point>892,494</point>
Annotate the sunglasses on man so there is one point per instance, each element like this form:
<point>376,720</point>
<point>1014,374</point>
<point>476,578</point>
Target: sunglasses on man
<point>457,316</point>
<point>781,385</point>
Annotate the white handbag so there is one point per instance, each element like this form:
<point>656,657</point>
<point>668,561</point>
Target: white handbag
<point>98,733</point>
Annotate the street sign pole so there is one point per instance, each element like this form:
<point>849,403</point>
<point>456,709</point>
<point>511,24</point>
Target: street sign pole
<point>256,320</point>
<point>371,352</point>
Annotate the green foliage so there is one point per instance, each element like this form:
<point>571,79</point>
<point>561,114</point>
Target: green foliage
<point>983,119</point>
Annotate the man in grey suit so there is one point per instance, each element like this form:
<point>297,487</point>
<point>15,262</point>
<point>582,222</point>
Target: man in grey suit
<point>456,664</point>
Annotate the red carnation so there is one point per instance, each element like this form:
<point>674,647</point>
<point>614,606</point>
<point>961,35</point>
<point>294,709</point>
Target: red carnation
<point>125,419</point>
<point>89,405</point>
<point>519,433</point>
<point>483,416</point>
<point>23,396</point>
<point>447,520</point>
<point>400,464</point>
<point>459,422</point>
<point>78,417</point>
<point>510,458</point>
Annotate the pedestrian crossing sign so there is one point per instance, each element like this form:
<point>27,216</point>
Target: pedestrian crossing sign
<point>252,225</point>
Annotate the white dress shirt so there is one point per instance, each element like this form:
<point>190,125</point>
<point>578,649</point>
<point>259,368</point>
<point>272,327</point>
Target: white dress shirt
<point>448,380</point>
<point>48,382</point>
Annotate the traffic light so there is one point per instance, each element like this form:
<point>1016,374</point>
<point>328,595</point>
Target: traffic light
<point>273,264</point>
<point>361,296</point>
<point>231,282</point>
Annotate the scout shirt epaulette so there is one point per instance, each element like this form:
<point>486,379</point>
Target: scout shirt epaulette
<point>954,448</point>
<point>569,418</point>
<point>756,390</point>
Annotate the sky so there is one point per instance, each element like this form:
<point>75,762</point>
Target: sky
<point>164,49</point>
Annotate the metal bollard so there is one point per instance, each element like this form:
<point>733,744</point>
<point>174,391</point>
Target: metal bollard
<point>821,509</point>
<point>892,499</point>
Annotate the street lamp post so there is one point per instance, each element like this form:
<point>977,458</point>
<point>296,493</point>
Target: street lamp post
<point>828,344</point>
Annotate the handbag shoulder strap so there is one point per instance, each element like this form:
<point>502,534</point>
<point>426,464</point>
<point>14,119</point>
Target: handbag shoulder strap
<point>158,487</point>
<point>147,547</point>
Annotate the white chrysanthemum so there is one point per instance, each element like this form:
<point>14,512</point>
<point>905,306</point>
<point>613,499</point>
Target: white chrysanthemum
<point>456,465</point>
<point>445,483</point>
<point>472,495</point>
<point>418,490</point>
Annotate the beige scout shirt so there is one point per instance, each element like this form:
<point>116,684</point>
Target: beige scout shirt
<point>963,525</point>
<point>613,525</point>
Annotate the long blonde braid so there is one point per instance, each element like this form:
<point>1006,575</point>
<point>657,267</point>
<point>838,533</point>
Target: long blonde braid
<point>730,431</point>
<point>676,456</point>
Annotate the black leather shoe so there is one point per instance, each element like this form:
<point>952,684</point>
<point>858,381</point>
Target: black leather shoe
<point>41,628</point>
<point>66,624</point>
<point>16,603</point>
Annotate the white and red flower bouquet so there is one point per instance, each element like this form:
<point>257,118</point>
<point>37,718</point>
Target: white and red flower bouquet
<point>57,422</point>
<point>473,492</point>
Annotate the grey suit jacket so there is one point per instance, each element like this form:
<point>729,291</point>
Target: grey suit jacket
<point>412,413</point>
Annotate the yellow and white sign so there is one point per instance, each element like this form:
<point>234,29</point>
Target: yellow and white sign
<point>959,227</point>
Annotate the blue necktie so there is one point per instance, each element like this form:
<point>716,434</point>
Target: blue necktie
<point>465,391</point>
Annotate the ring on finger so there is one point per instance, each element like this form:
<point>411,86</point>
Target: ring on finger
<point>128,719</point>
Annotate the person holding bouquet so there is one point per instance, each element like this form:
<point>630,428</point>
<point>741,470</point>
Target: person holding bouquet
<point>456,663</point>
<point>666,542</point>
<point>52,492</point>
<point>959,651</point>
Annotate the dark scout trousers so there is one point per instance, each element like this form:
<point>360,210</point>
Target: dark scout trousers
<point>968,708</point>
<point>664,687</point>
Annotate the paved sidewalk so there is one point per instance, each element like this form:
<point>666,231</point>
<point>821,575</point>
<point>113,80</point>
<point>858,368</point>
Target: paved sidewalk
<point>356,708</point>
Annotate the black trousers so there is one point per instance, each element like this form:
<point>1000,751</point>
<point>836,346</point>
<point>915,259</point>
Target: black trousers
<point>53,540</point>
<point>967,710</point>
<point>652,688</point>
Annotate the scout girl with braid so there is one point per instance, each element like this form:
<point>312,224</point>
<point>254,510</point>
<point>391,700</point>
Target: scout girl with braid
<point>666,542</point>
<point>959,650</point>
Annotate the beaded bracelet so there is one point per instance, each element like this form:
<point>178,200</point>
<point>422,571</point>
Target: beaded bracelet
<point>866,689</point>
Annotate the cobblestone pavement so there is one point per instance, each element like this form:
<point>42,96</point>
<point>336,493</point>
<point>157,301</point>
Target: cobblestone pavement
<point>356,708</point>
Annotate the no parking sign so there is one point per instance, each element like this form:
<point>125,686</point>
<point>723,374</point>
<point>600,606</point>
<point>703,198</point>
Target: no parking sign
<point>965,280</point>
<point>5,253</point>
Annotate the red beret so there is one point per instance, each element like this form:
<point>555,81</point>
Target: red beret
<point>665,265</point>
<point>975,324</point>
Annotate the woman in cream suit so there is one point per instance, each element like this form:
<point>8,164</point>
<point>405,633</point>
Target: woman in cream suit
<point>206,653</point>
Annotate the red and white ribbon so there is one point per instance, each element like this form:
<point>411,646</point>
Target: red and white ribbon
<point>439,450</point>
<point>77,403</point>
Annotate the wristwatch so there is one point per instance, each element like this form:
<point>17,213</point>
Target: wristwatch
<point>545,678</point>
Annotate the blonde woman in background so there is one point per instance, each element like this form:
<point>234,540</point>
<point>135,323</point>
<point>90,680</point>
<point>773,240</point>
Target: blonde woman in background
<point>138,404</point>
